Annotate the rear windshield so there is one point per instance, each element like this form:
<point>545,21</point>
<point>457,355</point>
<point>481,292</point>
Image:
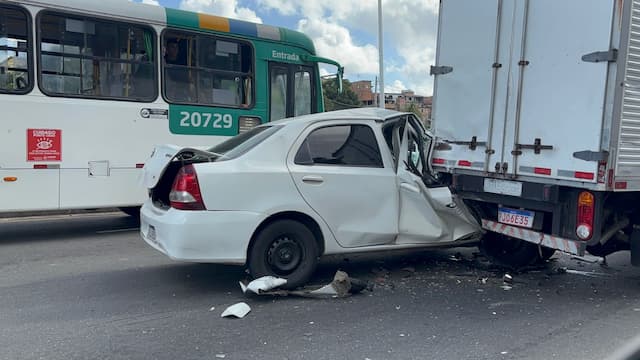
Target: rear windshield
<point>244,142</point>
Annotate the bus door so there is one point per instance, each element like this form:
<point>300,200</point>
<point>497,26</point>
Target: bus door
<point>291,91</point>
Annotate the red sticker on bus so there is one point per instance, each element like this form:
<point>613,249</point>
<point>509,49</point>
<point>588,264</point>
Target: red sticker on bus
<point>44,145</point>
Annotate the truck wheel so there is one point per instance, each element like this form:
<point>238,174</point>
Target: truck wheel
<point>509,252</point>
<point>285,249</point>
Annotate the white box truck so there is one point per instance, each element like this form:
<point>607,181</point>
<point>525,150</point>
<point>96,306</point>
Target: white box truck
<point>536,112</point>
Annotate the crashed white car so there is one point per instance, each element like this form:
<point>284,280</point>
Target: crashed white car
<point>281,195</point>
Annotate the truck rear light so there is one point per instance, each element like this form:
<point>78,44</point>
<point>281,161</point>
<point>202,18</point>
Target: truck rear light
<point>466,163</point>
<point>438,161</point>
<point>586,212</point>
<point>185,192</point>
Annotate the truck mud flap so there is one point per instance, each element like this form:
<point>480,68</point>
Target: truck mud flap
<point>565,245</point>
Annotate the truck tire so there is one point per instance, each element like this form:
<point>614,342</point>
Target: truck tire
<point>509,252</point>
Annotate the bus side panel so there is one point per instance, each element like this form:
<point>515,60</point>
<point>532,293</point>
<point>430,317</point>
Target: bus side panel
<point>29,189</point>
<point>120,187</point>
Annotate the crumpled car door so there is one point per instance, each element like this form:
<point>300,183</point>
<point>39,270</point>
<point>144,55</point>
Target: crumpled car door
<point>426,214</point>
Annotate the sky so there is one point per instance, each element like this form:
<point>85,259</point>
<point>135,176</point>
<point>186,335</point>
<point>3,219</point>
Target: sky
<point>347,31</point>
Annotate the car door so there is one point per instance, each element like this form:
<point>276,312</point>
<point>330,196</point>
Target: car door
<point>427,214</point>
<point>340,171</point>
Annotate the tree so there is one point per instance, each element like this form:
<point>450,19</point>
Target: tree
<point>336,101</point>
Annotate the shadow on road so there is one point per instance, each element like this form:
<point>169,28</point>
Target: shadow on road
<point>64,227</point>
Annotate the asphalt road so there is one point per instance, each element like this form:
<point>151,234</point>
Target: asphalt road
<point>87,287</point>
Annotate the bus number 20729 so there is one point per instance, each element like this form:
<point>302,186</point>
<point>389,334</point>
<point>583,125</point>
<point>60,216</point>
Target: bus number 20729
<point>198,119</point>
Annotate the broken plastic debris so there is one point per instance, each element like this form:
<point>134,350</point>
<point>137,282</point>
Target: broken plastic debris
<point>507,279</point>
<point>212,308</point>
<point>341,286</point>
<point>238,310</point>
<point>506,287</point>
<point>483,280</point>
<point>564,270</point>
<point>263,284</point>
<point>221,356</point>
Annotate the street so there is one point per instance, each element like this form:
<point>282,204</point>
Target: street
<point>87,287</point>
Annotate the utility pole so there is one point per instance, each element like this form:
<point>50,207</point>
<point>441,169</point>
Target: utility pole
<point>375,93</point>
<point>380,52</point>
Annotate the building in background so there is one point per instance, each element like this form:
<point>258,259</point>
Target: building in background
<point>406,100</point>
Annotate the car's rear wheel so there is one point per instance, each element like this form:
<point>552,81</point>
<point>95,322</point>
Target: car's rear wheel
<point>285,249</point>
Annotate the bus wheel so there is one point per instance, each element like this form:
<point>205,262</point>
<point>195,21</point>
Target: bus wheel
<point>133,211</point>
<point>509,252</point>
<point>285,249</point>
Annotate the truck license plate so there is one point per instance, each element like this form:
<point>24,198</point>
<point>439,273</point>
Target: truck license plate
<point>522,218</point>
<point>503,187</point>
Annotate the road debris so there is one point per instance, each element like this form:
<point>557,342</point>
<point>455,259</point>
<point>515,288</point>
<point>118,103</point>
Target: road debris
<point>564,270</point>
<point>238,310</point>
<point>507,279</point>
<point>220,356</point>
<point>483,280</point>
<point>262,284</point>
<point>341,286</point>
<point>212,308</point>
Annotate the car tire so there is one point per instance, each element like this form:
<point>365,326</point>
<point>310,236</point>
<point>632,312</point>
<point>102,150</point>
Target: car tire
<point>285,249</point>
<point>509,252</point>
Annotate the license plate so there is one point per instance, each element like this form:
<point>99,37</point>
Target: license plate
<point>151,234</point>
<point>503,187</point>
<point>521,218</point>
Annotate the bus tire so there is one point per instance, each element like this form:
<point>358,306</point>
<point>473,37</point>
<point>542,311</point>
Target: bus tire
<point>509,252</point>
<point>285,249</point>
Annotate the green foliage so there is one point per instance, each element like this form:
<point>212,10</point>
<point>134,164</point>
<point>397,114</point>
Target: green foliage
<point>335,101</point>
<point>412,107</point>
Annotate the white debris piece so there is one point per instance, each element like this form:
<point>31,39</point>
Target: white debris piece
<point>586,273</point>
<point>238,310</point>
<point>212,308</point>
<point>221,356</point>
<point>263,284</point>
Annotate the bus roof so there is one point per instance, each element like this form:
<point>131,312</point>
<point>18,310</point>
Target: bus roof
<point>128,10</point>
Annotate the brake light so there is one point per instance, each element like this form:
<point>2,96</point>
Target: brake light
<point>586,212</point>
<point>185,192</point>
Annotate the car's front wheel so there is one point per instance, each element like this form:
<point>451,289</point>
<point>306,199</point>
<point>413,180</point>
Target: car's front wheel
<point>285,249</point>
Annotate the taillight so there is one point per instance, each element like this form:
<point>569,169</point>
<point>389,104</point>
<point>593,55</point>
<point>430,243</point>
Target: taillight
<point>185,192</point>
<point>586,213</point>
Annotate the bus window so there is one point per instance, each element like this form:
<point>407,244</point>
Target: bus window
<point>302,92</point>
<point>94,58</point>
<point>279,92</point>
<point>207,70</point>
<point>15,45</point>
<point>291,90</point>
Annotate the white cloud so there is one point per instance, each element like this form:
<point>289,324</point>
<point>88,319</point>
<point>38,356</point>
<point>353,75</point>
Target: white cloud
<point>151,2</point>
<point>226,8</point>
<point>396,87</point>
<point>334,41</point>
<point>409,28</point>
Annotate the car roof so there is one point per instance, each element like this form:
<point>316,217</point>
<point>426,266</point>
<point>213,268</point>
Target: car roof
<point>368,113</point>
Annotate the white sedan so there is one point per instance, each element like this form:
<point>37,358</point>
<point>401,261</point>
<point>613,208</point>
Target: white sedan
<point>280,196</point>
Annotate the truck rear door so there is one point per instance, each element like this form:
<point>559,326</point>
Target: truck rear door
<point>560,98</point>
<point>464,76</point>
<point>519,99</point>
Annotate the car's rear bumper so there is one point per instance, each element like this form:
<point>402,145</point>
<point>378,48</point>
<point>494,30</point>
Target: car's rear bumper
<point>198,236</point>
